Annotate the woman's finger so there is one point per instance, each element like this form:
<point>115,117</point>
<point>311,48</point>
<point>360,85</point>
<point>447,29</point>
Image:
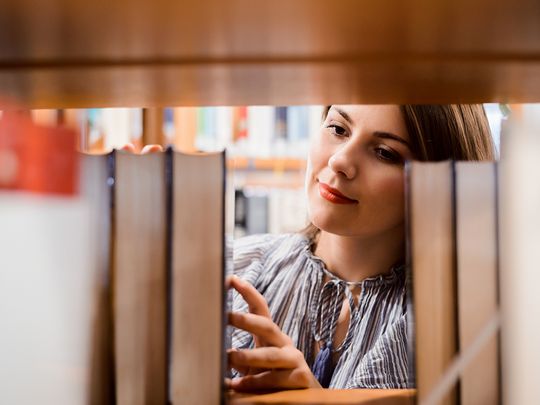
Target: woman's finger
<point>151,149</point>
<point>273,379</point>
<point>243,370</point>
<point>261,327</point>
<point>256,302</point>
<point>129,147</point>
<point>228,281</point>
<point>264,357</point>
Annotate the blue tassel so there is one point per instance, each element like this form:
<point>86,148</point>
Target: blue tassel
<point>323,367</point>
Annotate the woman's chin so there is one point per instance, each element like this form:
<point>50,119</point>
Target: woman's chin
<point>331,224</point>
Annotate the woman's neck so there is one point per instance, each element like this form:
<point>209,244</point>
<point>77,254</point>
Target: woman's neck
<point>356,258</point>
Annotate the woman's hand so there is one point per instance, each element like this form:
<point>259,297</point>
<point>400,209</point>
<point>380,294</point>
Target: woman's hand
<point>146,149</point>
<point>274,363</point>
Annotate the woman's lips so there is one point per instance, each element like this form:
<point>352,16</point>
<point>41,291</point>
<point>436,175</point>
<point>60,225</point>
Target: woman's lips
<point>333,195</point>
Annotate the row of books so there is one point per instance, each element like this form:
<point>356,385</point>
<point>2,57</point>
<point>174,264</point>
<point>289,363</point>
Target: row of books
<point>453,255</point>
<point>256,131</point>
<point>112,281</point>
<point>263,210</point>
<point>168,275</point>
<point>474,232</point>
<point>103,299</point>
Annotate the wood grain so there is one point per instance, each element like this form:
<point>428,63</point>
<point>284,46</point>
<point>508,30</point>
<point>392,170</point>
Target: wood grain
<point>314,396</point>
<point>293,83</point>
<point>167,53</point>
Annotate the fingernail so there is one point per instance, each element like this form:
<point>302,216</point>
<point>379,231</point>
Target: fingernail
<point>235,382</point>
<point>239,281</point>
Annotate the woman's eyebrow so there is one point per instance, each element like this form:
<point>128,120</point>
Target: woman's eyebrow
<point>378,134</point>
<point>344,115</point>
<point>388,135</point>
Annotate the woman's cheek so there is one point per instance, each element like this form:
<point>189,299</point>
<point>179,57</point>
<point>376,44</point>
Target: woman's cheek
<point>395,196</point>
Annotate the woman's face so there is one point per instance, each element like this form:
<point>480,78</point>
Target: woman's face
<point>354,179</point>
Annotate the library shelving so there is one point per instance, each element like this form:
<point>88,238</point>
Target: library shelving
<point>136,53</point>
<point>167,53</point>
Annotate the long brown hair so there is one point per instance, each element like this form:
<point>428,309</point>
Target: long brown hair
<point>440,132</point>
<point>453,131</point>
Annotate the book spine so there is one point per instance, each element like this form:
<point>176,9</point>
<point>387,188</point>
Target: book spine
<point>227,268</point>
<point>453,194</point>
<point>169,214</point>
<point>111,184</point>
<point>411,335</point>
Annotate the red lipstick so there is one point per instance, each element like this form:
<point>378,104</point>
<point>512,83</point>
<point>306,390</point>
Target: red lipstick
<point>333,195</point>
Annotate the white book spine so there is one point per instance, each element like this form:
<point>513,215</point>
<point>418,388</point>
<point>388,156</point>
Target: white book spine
<point>117,123</point>
<point>47,288</point>
<point>260,131</point>
<point>520,259</point>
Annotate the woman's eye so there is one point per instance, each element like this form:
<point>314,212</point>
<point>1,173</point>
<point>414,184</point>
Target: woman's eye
<point>337,130</point>
<point>387,155</point>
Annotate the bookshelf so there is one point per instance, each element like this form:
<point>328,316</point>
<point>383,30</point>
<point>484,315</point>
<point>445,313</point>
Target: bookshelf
<point>167,53</point>
<point>314,396</point>
<point>275,163</point>
<point>80,54</point>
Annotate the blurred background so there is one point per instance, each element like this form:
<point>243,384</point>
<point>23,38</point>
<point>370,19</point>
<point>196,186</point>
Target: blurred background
<point>266,149</point>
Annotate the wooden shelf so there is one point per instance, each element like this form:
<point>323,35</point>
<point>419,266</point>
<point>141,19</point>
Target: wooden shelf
<point>168,53</point>
<point>271,164</point>
<point>326,396</point>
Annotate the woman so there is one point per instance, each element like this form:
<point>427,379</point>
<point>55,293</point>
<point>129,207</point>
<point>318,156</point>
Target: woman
<point>327,306</point>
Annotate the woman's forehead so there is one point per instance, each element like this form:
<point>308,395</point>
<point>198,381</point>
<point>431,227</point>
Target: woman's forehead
<point>387,117</point>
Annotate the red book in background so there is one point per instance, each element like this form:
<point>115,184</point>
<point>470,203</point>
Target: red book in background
<point>240,123</point>
<point>37,158</point>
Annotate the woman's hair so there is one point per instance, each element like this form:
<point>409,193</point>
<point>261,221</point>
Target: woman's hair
<point>440,132</point>
<point>453,131</point>
<point>450,131</point>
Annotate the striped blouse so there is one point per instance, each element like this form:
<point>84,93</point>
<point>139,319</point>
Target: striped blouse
<point>284,270</point>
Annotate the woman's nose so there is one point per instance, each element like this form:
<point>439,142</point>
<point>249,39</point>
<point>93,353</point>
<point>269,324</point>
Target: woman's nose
<point>342,163</point>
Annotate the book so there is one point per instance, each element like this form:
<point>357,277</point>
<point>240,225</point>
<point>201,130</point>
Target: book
<point>48,280</point>
<point>240,126</point>
<point>280,124</point>
<point>453,256</point>
<point>430,193</point>
<point>197,362</point>
<point>298,123</point>
<point>96,190</point>
<point>477,275</point>
<point>520,256</point>
<point>206,129</point>
<point>260,131</point>
<point>140,278</point>
<point>116,127</point>
<point>93,131</point>
<point>168,126</point>
<point>168,272</point>
<point>37,158</point>
<point>47,299</point>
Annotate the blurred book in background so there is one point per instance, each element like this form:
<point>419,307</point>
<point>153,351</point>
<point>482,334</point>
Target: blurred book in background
<point>50,279</point>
